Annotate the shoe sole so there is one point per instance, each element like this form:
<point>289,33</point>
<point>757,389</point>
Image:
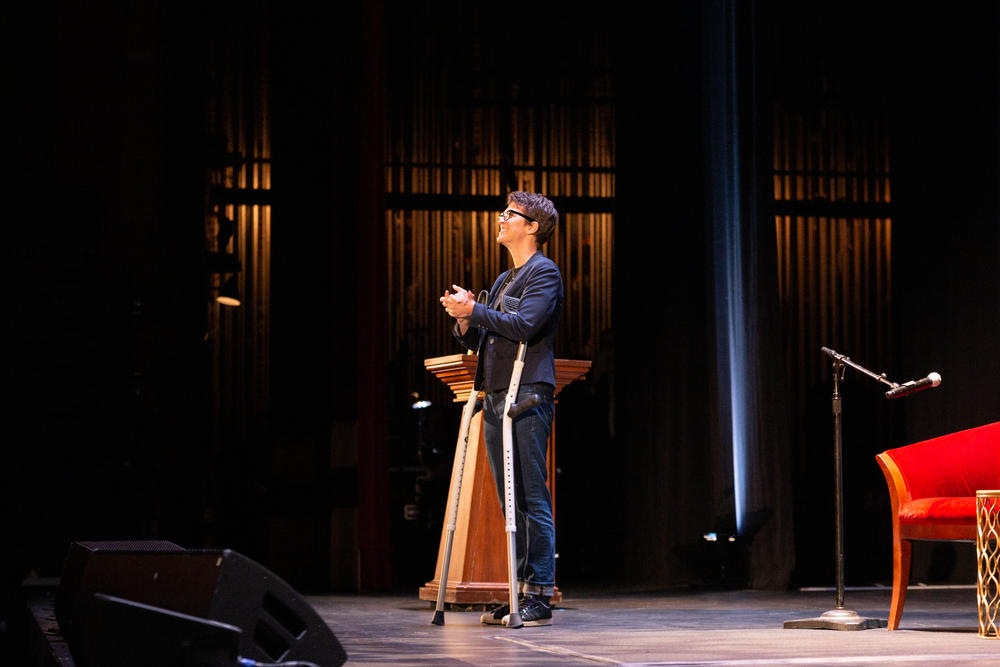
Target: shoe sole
<point>529,624</point>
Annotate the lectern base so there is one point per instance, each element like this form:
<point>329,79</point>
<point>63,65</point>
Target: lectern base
<point>474,594</point>
<point>837,619</point>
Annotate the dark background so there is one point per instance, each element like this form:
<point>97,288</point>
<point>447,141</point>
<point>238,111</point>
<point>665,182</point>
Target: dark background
<point>108,371</point>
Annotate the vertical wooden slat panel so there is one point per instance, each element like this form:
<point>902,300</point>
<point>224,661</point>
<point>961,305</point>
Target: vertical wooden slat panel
<point>834,271</point>
<point>443,139</point>
<point>238,338</point>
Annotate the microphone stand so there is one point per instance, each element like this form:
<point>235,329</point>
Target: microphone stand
<point>840,618</point>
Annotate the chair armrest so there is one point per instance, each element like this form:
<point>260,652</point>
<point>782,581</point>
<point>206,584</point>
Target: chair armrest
<point>899,493</point>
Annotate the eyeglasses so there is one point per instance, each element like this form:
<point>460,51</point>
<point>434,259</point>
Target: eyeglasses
<point>505,216</point>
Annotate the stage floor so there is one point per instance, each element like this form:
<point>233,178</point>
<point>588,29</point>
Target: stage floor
<point>682,627</point>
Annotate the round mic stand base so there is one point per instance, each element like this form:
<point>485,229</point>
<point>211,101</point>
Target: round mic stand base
<point>837,619</point>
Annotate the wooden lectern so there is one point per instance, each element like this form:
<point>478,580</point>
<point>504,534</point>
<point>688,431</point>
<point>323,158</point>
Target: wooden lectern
<point>478,570</point>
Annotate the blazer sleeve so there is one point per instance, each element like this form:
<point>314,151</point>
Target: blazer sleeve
<point>474,334</point>
<point>539,299</point>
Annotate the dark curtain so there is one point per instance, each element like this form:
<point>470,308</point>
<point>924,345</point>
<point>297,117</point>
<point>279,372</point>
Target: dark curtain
<point>664,484</point>
<point>694,176</point>
<point>754,426</point>
<point>947,286</point>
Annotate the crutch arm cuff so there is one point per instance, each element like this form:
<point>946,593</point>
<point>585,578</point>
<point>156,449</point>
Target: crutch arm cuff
<point>531,401</point>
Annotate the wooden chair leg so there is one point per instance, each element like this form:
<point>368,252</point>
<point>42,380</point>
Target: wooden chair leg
<point>900,578</point>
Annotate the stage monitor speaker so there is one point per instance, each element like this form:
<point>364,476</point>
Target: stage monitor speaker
<point>276,623</point>
<point>123,633</point>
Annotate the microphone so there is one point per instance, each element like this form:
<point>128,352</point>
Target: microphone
<point>932,380</point>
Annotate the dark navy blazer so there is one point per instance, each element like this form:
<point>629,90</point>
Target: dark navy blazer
<point>529,311</point>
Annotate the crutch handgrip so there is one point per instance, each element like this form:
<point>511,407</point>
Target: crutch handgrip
<point>532,401</point>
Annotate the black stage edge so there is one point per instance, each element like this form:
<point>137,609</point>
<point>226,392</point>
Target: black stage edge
<point>46,646</point>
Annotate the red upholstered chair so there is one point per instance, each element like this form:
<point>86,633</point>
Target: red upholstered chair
<point>932,486</point>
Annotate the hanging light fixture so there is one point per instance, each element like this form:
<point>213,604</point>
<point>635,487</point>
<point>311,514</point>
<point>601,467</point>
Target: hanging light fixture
<point>229,294</point>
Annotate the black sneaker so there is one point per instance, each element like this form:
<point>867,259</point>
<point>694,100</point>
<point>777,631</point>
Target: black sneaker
<point>496,616</point>
<point>536,611</point>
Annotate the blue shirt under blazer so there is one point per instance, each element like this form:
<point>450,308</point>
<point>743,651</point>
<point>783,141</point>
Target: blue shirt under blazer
<point>529,311</point>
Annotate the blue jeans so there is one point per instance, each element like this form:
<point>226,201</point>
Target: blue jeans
<point>535,536</point>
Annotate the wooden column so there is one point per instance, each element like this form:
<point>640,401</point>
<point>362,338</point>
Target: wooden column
<point>478,570</point>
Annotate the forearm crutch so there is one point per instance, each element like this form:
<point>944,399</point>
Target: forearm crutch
<point>510,411</point>
<point>461,448</point>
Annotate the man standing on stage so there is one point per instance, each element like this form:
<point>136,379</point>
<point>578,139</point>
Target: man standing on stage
<point>523,305</point>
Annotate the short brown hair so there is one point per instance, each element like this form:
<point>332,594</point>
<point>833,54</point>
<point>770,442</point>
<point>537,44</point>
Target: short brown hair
<point>541,209</point>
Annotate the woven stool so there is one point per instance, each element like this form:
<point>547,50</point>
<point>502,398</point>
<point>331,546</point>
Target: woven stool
<point>988,562</point>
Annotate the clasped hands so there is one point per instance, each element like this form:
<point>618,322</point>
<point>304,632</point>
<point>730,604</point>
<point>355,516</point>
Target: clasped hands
<point>458,304</point>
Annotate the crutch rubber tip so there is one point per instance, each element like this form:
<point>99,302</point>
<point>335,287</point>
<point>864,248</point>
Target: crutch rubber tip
<point>438,618</point>
<point>513,620</point>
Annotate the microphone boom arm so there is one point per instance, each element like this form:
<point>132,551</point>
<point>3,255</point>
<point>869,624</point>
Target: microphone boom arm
<point>847,360</point>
